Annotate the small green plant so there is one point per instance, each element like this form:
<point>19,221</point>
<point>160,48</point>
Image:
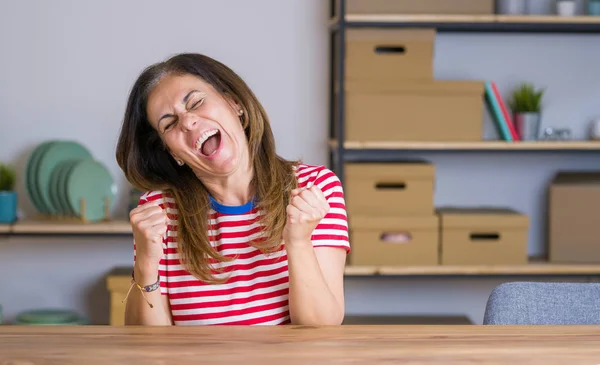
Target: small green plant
<point>7,178</point>
<point>526,99</point>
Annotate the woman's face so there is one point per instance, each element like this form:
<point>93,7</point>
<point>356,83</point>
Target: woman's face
<point>198,125</point>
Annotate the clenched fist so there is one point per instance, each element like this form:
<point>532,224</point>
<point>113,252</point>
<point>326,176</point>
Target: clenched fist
<point>306,209</point>
<point>149,222</point>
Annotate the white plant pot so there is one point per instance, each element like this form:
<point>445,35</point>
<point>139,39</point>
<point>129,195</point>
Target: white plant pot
<point>565,7</point>
<point>595,129</point>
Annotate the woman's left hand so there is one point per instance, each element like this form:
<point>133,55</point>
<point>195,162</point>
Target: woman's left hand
<point>306,209</point>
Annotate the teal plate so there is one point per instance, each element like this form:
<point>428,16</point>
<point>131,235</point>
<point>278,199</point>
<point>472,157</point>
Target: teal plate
<point>49,317</point>
<point>57,153</point>
<point>31,176</point>
<point>62,186</point>
<point>56,187</point>
<point>90,180</point>
<point>54,181</point>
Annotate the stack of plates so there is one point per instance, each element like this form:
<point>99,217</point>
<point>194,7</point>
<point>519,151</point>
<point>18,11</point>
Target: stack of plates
<point>47,317</point>
<point>63,179</point>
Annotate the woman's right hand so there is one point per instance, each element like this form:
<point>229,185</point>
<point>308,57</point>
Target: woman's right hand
<point>149,223</point>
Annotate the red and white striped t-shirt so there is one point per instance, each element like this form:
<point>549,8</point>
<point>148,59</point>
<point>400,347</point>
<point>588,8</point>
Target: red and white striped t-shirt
<point>257,291</point>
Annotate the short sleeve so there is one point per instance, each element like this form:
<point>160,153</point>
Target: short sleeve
<point>332,231</point>
<point>163,263</point>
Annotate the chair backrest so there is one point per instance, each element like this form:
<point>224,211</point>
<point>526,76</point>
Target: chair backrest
<point>532,303</point>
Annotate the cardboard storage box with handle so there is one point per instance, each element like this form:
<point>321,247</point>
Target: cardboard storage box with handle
<point>396,188</point>
<point>458,7</point>
<point>483,236</point>
<point>389,55</point>
<point>394,240</point>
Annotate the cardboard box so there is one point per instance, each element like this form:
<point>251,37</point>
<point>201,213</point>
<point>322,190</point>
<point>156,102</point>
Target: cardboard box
<point>393,241</point>
<point>395,55</point>
<point>483,236</point>
<point>574,214</point>
<point>399,188</point>
<point>440,111</point>
<point>118,282</point>
<point>458,7</point>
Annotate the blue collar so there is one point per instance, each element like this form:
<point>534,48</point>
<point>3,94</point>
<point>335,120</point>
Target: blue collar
<point>232,209</point>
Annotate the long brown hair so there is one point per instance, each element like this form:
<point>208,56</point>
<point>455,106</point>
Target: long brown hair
<point>148,166</point>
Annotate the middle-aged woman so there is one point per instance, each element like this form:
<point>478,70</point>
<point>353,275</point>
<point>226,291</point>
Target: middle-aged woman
<point>227,231</point>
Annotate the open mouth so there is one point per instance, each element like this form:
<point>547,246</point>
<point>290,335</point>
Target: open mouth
<point>209,142</point>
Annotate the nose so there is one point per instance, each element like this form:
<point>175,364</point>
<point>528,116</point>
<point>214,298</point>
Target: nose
<point>187,121</point>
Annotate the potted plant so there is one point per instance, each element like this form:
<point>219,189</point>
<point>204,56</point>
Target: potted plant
<point>526,105</point>
<point>8,195</point>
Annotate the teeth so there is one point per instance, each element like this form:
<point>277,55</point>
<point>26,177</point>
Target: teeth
<point>206,135</point>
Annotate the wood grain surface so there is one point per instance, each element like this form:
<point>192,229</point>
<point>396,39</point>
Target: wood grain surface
<point>300,345</point>
<point>472,146</point>
<point>43,226</point>
<point>470,18</point>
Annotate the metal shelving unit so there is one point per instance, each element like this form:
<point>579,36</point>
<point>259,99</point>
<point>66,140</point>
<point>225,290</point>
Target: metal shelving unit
<point>342,150</point>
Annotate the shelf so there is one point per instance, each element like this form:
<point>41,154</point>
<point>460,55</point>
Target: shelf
<point>119,277</point>
<point>4,228</point>
<point>54,227</point>
<point>477,270</point>
<point>548,19</point>
<point>473,146</point>
<point>360,270</point>
<point>476,23</point>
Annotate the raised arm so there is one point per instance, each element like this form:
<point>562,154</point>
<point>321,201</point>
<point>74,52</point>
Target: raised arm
<point>148,306</point>
<point>316,241</point>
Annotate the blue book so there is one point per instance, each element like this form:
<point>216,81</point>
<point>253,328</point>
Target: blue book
<point>496,111</point>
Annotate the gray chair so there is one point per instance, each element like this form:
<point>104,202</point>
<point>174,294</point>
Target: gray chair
<point>532,303</point>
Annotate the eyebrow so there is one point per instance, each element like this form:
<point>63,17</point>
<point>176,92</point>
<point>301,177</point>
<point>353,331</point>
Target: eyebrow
<point>185,100</point>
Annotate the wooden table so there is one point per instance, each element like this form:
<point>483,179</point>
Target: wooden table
<point>300,345</point>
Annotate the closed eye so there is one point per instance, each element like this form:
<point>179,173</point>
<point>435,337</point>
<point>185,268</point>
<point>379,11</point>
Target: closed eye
<point>197,103</point>
<point>170,125</point>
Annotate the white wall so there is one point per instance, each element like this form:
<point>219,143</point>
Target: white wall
<point>66,68</point>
